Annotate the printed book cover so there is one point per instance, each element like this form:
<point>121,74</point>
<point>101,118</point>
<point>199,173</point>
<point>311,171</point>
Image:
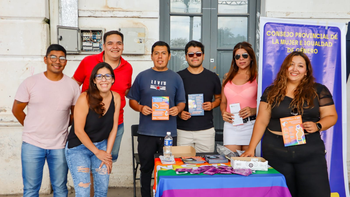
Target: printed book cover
<point>190,160</point>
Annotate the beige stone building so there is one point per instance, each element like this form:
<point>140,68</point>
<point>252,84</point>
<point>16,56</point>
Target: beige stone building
<point>28,27</point>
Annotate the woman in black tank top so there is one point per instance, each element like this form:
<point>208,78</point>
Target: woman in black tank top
<point>295,92</point>
<point>93,132</point>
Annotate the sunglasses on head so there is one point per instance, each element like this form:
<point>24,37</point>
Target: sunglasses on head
<point>244,55</point>
<point>198,54</point>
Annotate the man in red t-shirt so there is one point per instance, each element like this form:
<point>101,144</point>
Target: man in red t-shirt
<point>113,47</point>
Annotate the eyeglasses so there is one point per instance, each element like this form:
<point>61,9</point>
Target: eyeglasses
<point>198,54</point>
<point>244,55</point>
<point>99,77</point>
<point>54,58</point>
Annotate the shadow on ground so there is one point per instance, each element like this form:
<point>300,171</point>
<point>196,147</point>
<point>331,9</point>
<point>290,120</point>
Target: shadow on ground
<point>112,192</point>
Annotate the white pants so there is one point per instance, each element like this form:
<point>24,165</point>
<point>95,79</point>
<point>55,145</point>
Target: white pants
<point>202,140</point>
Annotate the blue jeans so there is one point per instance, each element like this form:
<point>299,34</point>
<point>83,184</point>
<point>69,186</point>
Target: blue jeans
<point>33,160</point>
<point>117,142</point>
<point>80,161</point>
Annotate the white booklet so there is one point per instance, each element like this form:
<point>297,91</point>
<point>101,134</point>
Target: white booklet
<point>164,160</point>
<point>234,109</point>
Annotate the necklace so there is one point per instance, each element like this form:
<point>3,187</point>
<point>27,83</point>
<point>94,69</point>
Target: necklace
<point>103,58</point>
<point>118,64</point>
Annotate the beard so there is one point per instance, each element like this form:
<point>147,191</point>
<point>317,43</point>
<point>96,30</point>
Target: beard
<point>196,65</point>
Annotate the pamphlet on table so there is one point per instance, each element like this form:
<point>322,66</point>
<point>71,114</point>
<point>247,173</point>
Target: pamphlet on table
<point>216,159</point>
<point>167,160</point>
<point>193,160</point>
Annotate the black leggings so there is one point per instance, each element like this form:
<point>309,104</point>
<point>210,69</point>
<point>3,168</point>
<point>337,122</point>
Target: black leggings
<point>304,166</point>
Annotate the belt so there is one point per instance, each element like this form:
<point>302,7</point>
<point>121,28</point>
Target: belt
<point>245,120</point>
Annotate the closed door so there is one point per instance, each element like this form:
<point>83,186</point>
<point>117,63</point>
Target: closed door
<point>218,24</point>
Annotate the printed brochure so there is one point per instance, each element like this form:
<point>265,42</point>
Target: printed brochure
<point>160,108</point>
<point>195,102</point>
<point>292,130</point>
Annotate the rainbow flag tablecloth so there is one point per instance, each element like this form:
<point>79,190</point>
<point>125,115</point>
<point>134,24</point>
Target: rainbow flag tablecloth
<point>261,183</point>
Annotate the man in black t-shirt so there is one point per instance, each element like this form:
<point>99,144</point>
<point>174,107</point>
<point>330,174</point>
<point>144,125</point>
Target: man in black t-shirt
<point>195,125</point>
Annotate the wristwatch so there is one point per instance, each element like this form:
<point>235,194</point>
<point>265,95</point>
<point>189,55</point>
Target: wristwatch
<point>319,126</point>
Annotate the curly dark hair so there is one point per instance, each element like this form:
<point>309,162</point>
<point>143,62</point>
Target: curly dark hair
<point>93,93</point>
<point>305,91</point>
<point>234,68</point>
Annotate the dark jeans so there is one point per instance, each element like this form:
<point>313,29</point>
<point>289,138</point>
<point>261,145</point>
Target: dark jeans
<point>147,147</point>
<point>304,166</point>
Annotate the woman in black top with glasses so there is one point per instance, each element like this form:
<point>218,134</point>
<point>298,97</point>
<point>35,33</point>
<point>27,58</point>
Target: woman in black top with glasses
<point>93,132</point>
<point>295,92</point>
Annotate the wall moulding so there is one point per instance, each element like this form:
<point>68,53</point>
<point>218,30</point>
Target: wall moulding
<point>118,14</point>
<point>312,15</point>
